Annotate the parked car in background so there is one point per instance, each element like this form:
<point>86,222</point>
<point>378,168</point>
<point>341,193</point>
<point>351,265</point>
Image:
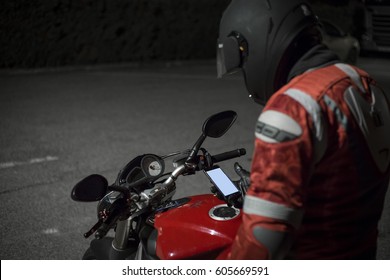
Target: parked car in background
<point>344,45</point>
<point>376,26</point>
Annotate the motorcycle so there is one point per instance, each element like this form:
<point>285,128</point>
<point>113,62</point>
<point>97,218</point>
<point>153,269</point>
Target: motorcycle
<point>147,222</point>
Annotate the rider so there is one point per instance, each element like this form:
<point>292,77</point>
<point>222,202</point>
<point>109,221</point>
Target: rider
<point>320,168</point>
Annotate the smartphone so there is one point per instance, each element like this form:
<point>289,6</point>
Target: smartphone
<point>222,182</point>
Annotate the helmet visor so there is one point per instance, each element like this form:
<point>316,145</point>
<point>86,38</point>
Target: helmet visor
<point>228,56</point>
<point>221,68</point>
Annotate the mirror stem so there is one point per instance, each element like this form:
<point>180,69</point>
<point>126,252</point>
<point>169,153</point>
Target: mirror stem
<point>195,148</point>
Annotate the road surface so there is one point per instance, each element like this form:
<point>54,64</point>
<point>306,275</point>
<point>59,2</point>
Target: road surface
<point>58,126</point>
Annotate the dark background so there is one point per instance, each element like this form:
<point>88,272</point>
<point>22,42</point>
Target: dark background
<point>51,33</point>
<point>67,32</point>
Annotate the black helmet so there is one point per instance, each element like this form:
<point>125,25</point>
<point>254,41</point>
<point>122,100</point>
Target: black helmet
<point>265,38</point>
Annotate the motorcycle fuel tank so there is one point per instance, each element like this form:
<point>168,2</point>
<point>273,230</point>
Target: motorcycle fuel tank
<point>201,228</point>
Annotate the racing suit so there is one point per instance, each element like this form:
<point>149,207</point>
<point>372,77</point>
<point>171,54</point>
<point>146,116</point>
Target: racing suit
<point>320,169</point>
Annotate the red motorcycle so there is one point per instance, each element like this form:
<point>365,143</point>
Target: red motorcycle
<point>148,223</point>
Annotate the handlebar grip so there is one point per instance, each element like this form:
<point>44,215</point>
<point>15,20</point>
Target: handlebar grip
<point>228,155</point>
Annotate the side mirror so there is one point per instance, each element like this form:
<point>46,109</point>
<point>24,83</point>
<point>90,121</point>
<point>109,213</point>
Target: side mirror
<point>92,188</point>
<point>218,124</point>
<point>215,126</point>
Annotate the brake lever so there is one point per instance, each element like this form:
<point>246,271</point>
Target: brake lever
<point>93,229</point>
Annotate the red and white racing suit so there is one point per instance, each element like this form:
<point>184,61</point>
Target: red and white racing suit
<point>320,169</point>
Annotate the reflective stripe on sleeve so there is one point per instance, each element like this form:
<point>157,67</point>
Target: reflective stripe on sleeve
<point>261,207</point>
<point>332,105</point>
<point>314,110</point>
<point>312,107</point>
<point>276,127</point>
<point>277,243</point>
<point>352,73</point>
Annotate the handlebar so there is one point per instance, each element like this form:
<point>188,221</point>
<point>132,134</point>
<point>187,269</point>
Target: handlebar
<point>228,155</point>
<point>190,167</point>
<point>168,185</point>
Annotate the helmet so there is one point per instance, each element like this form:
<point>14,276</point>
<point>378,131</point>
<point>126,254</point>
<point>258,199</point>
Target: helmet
<point>265,38</point>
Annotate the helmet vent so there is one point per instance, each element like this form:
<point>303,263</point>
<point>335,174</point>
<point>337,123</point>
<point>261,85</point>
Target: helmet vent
<point>270,25</point>
<point>268,4</point>
<point>306,10</point>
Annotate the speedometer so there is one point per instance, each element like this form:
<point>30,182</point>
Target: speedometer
<point>154,168</point>
<point>152,165</point>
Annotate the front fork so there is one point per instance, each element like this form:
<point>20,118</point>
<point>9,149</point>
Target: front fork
<point>122,232</point>
<point>123,248</point>
<point>117,248</point>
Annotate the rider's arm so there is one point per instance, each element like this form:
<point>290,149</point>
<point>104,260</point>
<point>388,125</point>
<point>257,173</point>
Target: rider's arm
<point>281,168</point>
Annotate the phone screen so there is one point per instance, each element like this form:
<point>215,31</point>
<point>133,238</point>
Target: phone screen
<point>222,181</point>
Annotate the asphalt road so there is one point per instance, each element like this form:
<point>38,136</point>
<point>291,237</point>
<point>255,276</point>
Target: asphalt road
<point>57,126</point>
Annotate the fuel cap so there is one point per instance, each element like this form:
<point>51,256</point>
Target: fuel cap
<point>223,212</point>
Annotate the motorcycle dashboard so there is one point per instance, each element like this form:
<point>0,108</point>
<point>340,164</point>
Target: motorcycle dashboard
<point>142,169</point>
